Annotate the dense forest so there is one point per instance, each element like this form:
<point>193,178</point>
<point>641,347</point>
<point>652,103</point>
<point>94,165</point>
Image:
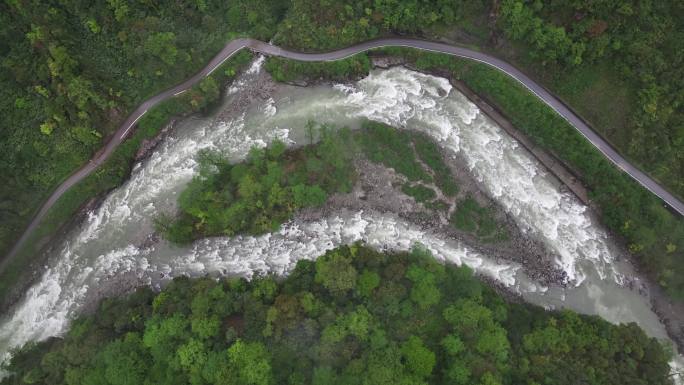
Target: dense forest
<point>354,316</point>
<point>642,44</point>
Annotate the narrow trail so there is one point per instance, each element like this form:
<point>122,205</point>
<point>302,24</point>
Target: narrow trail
<point>261,47</point>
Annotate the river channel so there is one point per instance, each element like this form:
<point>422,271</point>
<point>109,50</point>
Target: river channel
<point>114,240</point>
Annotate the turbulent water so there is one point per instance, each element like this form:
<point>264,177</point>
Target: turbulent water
<point>113,238</point>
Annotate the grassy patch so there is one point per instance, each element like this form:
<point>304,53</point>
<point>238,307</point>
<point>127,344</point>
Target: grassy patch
<point>285,70</point>
<point>418,192</point>
<point>466,215</point>
<point>469,216</point>
<point>392,148</point>
<point>612,99</point>
<point>438,205</point>
<point>430,154</point>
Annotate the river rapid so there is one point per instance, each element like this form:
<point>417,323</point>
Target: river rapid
<point>114,240</point>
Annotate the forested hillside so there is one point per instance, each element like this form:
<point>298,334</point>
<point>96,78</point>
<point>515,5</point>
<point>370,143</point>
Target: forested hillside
<point>354,316</point>
<point>583,46</point>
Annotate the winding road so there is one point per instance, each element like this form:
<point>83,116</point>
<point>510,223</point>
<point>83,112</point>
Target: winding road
<point>258,46</point>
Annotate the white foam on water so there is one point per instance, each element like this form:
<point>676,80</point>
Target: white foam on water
<point>62,289</point>
<point>254,69</point>
<point>408,99</point>
<point>677,370</point>
<point>256,66</point>
<point>270,108</point>
<point>279,252</point>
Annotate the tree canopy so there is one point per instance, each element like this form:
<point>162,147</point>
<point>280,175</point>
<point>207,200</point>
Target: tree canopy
<point>258,195</point>
<point>302,329</point>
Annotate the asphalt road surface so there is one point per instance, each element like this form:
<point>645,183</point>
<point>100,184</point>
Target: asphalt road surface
<point>258,46</point>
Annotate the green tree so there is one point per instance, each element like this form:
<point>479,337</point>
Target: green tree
<point>424,291</point>
<point>192,354</point>
<point>368,281</point>
<point>162,45</point>
<point>335,272</point>
<point>419,359</point>
<point>307,196</point>
<point>125,361</point>
<point>250,363</point>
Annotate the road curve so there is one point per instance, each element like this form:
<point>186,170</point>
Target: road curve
<point>258,46</point>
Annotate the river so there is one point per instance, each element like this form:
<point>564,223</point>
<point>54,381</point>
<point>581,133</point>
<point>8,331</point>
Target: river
<point>112,242</point>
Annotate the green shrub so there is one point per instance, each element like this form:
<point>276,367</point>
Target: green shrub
<point>418,192</point>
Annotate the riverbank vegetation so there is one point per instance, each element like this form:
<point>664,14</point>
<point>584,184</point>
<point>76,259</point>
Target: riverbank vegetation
<point>420,160</point>
<point>409,153</point>
<point>354,316</point>
<point>471,217</point>
<point>284,70</point>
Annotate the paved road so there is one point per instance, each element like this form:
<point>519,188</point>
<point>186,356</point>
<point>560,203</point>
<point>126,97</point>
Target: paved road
<point>258,46</point>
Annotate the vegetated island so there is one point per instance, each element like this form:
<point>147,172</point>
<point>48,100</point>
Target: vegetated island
<point>258,195</point>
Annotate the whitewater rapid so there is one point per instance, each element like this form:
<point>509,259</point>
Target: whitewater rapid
<point>113,239</point>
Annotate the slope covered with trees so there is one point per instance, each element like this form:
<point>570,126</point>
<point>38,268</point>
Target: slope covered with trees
<point>354,316</point>
<point>638,43</point>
